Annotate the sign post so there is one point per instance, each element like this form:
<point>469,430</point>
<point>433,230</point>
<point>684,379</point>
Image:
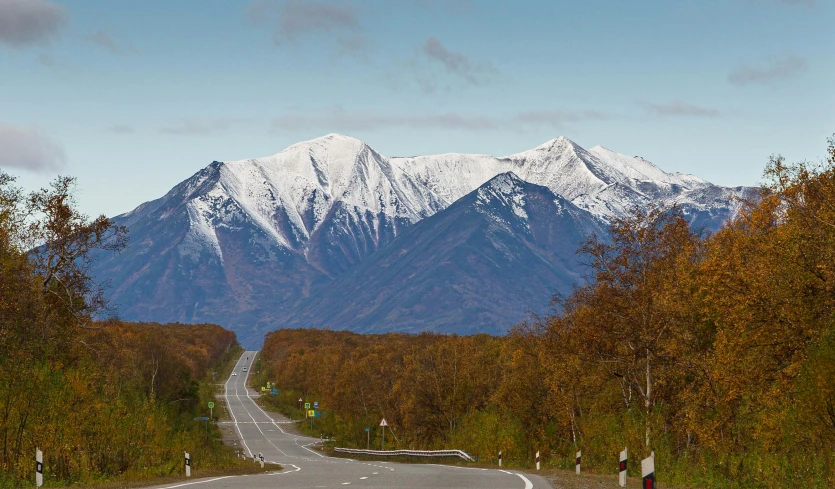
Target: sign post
<point>648,472</point>
<point>38,467</point>
<point>537,460</point>
<point>211,409</point>
<point>383,423</point>
<point>622,468</point>
<point>368,438</point>
<point>577,464</point>
<point>188,465</point>
<point>300,403</point>
<point>500,458</point>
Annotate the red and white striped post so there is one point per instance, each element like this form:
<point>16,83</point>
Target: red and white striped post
<point>622,468</point>
<point>500,458</point>
<point>577,462</point>
<point>648,472</point>
<point>537,460</point>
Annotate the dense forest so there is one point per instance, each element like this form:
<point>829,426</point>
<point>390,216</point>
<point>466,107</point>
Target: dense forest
<point>103,400</point>
<point>715,351</point>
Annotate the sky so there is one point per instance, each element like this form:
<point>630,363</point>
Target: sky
<point>134,97</point>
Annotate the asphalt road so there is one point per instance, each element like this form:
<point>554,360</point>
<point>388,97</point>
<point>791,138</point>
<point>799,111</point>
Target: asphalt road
<point>264,433</point>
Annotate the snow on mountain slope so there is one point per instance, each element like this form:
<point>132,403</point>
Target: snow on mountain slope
<point>251,243</point>
<point>315,193</point>
<point>480,265</point>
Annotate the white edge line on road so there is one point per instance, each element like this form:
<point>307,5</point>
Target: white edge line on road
<point>229,406</point>
<point>288,471</point>
<point>199,482</point>
<point>528,483</point>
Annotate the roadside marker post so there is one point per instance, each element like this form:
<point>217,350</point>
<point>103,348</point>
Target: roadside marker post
<point>188,465</point>
<point>261,458</point>
<point>648,472</point>
<point>383,423</point>
<point>622,468</point>
<point>577,463</point>
<point>368,438</point>
<point>537,460</point>
<point>38,467</point>
<point>500,458</point>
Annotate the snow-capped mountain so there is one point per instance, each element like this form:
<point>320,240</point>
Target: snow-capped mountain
<point>243,243</point>
<point>479,266</point>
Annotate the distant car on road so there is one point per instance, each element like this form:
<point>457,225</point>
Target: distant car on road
<point>234,373</point>
<point>244,369</point>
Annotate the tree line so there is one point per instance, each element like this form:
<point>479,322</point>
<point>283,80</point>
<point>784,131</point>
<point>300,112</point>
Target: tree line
<point>715,351</point>
<point>102,399</point>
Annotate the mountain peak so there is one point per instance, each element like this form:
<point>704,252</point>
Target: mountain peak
<point>504,179</point>
<point>332,142</point>
<point>559,143</point>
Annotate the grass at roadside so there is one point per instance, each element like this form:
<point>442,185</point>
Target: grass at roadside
<point>246,469</point>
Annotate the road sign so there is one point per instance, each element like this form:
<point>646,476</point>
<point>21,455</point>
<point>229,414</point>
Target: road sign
<point>315,404</point>
<point>300,399</point>
<point>383,422</point>
<point>268,385</point>
<point>311,413</point>
<point>211,405</point>
<point>202,418</point>
<point>307,405</point>
<point>274,391</point>
<point>367,430</point>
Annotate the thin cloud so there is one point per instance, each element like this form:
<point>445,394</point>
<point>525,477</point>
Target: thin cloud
<point>120,129</point>
<point>457,63</point>
<point>193,127</point>
<point>344,121</point>
<point>340,120</point>
<point>807,3</point>
<point>26,22</point>
<point>774,69</point>
<point>294,19</point>
<point>559,118</point>
<point>102,39</point>
<point>679,109</point>
<point>47,60</point>
<point>28,149</point>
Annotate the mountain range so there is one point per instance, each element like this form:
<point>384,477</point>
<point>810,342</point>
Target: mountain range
<point>330,233</point>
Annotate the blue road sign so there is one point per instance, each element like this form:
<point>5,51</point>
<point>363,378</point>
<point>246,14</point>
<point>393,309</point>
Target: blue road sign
<point>202,418</point>
<point>367,430</point>
<point>315,404</point>
<point>274,392</point>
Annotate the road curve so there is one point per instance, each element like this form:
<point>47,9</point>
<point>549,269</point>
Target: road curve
<point>260,432</point>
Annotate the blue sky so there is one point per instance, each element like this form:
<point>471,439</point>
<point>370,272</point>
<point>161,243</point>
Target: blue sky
<point>132,98</point>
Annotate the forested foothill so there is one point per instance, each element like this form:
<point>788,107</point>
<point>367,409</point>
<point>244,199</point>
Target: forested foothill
<point>717,352</point>
<point>103,400</point>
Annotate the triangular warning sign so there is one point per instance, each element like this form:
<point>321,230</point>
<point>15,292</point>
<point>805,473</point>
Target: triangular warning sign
<point>383,422</point>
